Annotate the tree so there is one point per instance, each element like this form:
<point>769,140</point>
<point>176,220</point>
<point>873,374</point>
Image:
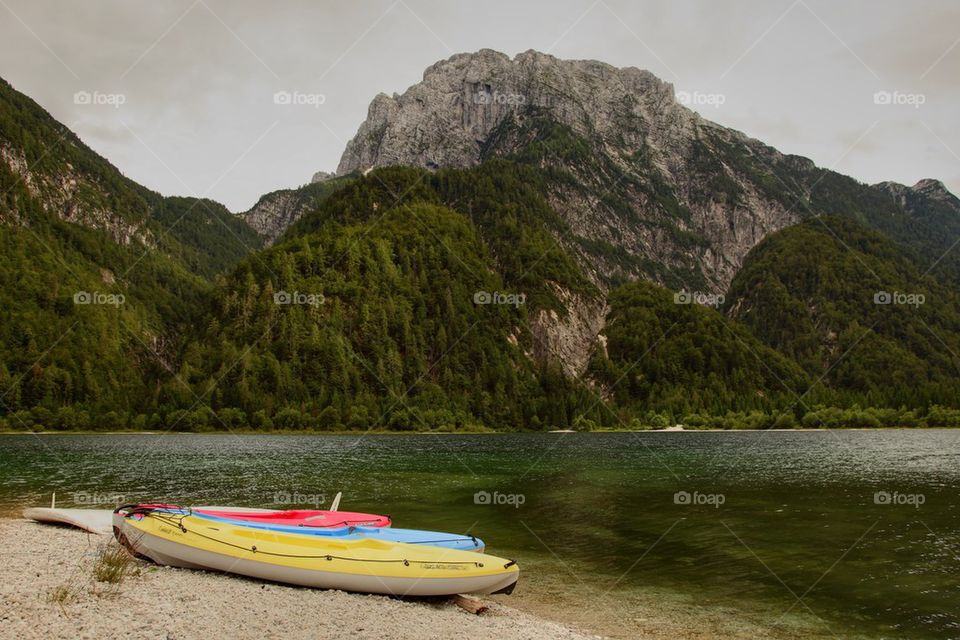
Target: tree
<point>261,421</point>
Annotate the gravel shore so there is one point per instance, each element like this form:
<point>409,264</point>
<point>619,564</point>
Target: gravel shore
<point>48,590</point>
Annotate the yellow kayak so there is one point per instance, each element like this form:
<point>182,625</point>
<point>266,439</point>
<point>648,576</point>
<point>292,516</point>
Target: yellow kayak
<point>363,565</point>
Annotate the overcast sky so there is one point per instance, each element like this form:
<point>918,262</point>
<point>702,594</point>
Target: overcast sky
<point>197,78</point>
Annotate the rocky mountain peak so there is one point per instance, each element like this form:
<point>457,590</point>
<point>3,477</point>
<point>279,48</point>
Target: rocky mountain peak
<point>649,180</point>
<point>933,189</point>
<point>322,176</point>
<point>925,190</point>
<point>446,119</point>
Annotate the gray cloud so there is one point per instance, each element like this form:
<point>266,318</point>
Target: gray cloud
<point>198,78</point>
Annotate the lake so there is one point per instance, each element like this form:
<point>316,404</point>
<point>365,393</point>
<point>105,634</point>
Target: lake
<point>774,534</point>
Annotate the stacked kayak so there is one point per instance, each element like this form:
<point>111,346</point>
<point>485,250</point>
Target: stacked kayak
<point>295,547</point>
<point>290,517</point>
<point>304,524</point>
<point>409,536</point>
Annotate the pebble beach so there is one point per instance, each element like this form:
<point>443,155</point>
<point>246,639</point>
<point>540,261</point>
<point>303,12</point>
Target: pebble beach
<point>48,590</point>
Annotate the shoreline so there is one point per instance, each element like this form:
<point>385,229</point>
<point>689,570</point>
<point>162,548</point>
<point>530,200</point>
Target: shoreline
<point>490,432</point>
<point>48,590</point>
<point>154,601</point>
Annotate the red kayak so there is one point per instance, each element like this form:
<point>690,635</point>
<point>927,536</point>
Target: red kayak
<point>291,517</point>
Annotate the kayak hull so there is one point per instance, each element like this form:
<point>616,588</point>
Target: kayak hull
<point>393,568</point>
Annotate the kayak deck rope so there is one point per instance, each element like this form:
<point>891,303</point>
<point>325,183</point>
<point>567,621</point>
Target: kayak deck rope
<point>343,523</point>
<point>177,521</point>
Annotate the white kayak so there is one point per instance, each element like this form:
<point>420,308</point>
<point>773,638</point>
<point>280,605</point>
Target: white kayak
<point>98,521</point>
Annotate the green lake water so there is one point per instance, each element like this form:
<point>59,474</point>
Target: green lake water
<point>775,534</point>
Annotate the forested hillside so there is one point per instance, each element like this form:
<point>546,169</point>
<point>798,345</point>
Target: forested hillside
<point>384,328</point>
<point>855,312</point>
<point>474,297</point>
<point>100,278</point>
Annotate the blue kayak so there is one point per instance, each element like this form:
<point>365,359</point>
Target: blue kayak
<point>388,534</point>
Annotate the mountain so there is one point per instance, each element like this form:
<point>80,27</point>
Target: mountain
<point>274,212</point>
<point>664,352</point>
<point>374,319</point>
<point>620,152</point>
<point>430,293</point>
<point>649,188</point>
<point>930,228</point>
<point>67,179</point>
<point>644,187</point>
<point>401,254</point>
<point>504,201</point>
<point>855,311</point>
<point>520,243</point>
<point>100,276</point>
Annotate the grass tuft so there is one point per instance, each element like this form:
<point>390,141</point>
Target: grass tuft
<point>113,564</point>
<point>61,595</point>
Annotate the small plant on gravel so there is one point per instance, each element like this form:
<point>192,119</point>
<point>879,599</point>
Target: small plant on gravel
<point>113,564</point>
<point>61,595</point>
